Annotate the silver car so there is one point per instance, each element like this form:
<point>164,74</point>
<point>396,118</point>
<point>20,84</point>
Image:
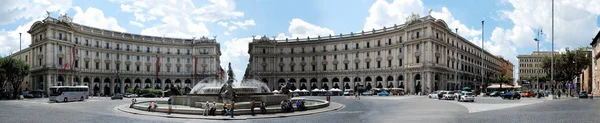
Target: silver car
<point>466,97</point>
<point>433,95</point>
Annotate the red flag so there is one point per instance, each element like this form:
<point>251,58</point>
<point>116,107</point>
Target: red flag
<point>64,67</point>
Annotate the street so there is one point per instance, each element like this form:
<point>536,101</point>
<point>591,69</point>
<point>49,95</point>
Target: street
<point>371,109</point>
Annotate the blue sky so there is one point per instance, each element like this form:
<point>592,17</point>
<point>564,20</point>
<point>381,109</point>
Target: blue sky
<point>510,25</point>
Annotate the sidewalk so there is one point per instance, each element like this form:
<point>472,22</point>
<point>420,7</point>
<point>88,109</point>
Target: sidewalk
<point>332,106</point>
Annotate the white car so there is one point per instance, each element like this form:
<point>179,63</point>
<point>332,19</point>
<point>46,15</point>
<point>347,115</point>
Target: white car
<point>466,97</point>
<point>433,95</point>
<point>447,95</point>
<point>131,96</point>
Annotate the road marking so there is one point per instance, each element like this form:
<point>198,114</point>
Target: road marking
<point>480,107</point>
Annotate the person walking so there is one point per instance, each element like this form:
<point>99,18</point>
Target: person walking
<point>558,92</point>
<point>252,107</point>
<point>232,108</point>
<point>299,105</point>
<point>170,103</point>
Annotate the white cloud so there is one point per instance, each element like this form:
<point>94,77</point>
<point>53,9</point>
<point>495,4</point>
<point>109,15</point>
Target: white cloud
<point>95,17</point>
<point>216,10</point>
<point>223,24</point>
<point>244,24</point>
<point>179,27</point>
<point>138,24</point>
<point>235,51</point>
<point>12,10</point>
<point>387,14</point>
<point>570,18</point>
<point>303,29</point>
<point>226,33</point>
<point>9,39</point>
<point>231,28</point>
<point>463,30</point>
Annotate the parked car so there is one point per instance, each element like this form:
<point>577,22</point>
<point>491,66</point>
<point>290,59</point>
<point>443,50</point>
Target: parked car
<point>527,94</point>
<point>117,96</point>
<point>583,94</point>
<point>383,93</point>
<point>466,97</point>
<point>367,93</point>
<point>348,92</point>
<point>433,95</point>
<point>511,95</point>
<point>447,95</point>
<point>495,94</point>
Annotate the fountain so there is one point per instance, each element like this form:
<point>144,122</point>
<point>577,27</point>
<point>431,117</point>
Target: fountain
<point>217,90</point>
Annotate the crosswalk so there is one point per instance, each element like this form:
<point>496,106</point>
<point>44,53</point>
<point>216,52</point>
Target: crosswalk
<point>480,107</point>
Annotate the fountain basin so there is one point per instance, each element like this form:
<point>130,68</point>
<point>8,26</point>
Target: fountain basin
<point>237,90</point>
<point>193,99</point>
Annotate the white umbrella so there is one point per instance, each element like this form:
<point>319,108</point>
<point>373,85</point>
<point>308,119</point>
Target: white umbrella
<point>275,91</point>
<point>304,90</point>
<point>315,90</point>
<point>335,89</point>
<point>297,90</point>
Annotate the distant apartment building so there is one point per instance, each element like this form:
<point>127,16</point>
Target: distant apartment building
<point>530,66</point>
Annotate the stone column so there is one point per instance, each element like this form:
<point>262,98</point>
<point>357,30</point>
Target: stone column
<point>153,83</point>
<point>112,87</point>
<point>102,86</point>
<point>122,84</point>
<point>48,83</point>
<point>430,82</point>
<point>162,83</point>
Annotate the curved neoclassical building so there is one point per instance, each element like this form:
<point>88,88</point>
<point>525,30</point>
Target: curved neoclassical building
<point>66,53</point>
<point>421,55</point>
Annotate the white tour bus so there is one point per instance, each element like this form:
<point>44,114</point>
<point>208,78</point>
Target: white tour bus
<point>68,93</point>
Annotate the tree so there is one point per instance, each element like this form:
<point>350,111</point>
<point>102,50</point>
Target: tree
<point>568,65</point>
<point>2,73</point>
<point>15,72</point>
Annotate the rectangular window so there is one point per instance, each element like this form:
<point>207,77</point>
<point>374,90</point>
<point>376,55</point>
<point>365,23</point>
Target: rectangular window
<point>378,64</point>
<point>324,67</point>
<point>107,66</point>
<point>368,65</point>
<point>76,63</point>
<point>292,68</point>
<point>281,68</point>
<point>292,51</point>
<point>137,68</point>
<point>178,69</point>
<point>345,66</point>
<point>314,68</point>
<point>400,62</point>
<point>97,65</point>
<point>302,68</point>
<point>346,47</point>
<point>147,58</point>
<point>389,63</point>
<point>127,67</point>
<point>147,68</point>
<point>355,65</point>
<point>60,63</point>
<point>188,60</point>
<point>177,60</point>
<point>188,69</point>
<point>59,48</point>
<point>87,65</point>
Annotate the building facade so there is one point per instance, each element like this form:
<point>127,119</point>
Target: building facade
<point>595,61</point>
<point>530,67</point>
<point>421,55</point>
<point>67,53</point>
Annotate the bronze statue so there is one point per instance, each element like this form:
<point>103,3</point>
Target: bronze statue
<point>226,92</point>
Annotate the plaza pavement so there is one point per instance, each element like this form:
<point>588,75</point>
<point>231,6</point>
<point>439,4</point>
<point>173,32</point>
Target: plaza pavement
<point>371,109</point>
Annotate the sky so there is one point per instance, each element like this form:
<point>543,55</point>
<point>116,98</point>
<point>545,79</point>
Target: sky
<point>509,29</point>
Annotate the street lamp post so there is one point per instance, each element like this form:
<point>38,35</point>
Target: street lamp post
<point>481,55</point>
<point>538,50</point>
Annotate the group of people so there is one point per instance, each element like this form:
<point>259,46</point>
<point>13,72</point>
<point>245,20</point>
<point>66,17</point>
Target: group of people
<point>263,107</point>
<point>152,106</point>
<point>229,109</point>
<point>287,105</point>
<point>210,109</point>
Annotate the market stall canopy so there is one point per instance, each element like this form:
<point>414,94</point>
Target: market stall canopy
<point>498,86</point>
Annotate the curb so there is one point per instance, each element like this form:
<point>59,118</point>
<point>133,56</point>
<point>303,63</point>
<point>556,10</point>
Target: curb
<point>125,108</point>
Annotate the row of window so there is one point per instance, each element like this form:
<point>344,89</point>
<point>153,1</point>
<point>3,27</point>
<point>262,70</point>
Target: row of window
<point>128,67</point>
<point>530,65</point>
<point>532,71</point>
<point>530,60</point>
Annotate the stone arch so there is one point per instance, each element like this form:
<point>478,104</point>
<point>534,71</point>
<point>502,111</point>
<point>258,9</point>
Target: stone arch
<point>324,82</point>
<point>400,81</point>
<point>292,84</point>
<point>313,83</point>
<point>76,81</point>
<point>60,80</point>
<point>147,83</point>
<point>418,84</point>
<point>86,81</point>
<point>436,82</point>
<point>280,83</point>
<point>346,82</point>
<point>188,85</point>
<point>178,83</point>
<point>117,85</point>
<point>127,83</point>
<point>379,80</point>
<point>264,80</point>
<point>336,82</point>
<point>168,84</point>
<point>303,84</point>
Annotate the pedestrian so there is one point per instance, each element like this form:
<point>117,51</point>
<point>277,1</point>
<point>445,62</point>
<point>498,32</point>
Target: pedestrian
<point>299,105</point>
<point>232,108</point>
<point>225,109</point>
<point>155,106</point>
<point>150,106</point>
<point>213,108</point>
<point>206,108</point>
<point>303,105</point>
<point>290,106</point>
<point>263,108</point>
<point>282,106</point>
<point>558,92</point>
<point>170,103</point>
<point>132,103</point>
<point>252,106</point>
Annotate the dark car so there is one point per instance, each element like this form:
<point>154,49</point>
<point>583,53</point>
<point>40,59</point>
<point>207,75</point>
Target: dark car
<point>511,95</point>
<point>495,94</point>
<point>117,96</point>
<point>583,94</point>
